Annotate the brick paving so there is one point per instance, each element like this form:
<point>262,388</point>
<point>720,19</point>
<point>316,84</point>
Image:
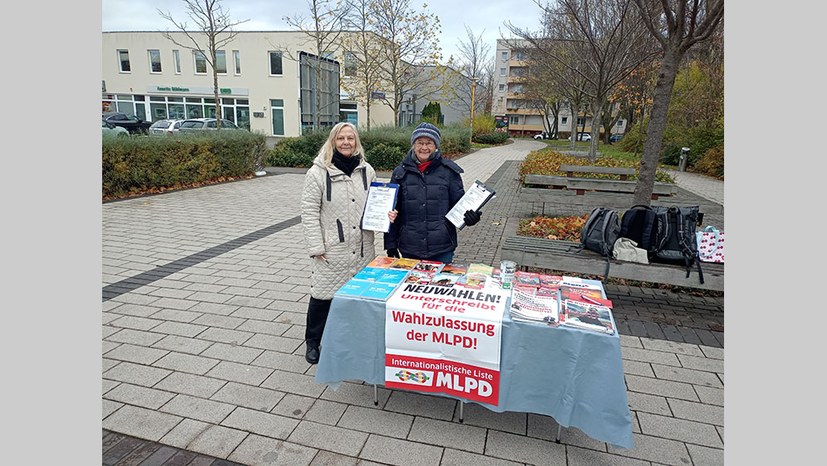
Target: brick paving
<point>204,293</point>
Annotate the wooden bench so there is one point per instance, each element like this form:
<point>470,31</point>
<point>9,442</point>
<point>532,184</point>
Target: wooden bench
<point>589,193</point>
<point>566,257</point>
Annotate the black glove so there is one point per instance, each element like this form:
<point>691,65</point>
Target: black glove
<point>393,252</point>
<point>472,217</point>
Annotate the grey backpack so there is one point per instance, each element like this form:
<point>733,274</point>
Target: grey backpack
<point>600,232</point>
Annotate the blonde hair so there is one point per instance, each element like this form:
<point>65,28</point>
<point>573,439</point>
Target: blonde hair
<point>327,148</point>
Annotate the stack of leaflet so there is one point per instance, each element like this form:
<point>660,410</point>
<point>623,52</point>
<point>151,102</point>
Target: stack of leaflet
<point>535,298</point>
<point>376,281</point>
<point>449,274</point>
<point>584,306</point>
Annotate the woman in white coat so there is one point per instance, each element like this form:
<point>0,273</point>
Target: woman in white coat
<point>333,200</point>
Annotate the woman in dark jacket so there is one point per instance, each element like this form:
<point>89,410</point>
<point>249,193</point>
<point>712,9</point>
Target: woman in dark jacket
<point>429,186</point>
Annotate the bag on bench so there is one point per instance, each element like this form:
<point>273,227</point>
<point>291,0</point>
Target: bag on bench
<point>675,242</point>
<point>639,224</point>
<point>600,232</point>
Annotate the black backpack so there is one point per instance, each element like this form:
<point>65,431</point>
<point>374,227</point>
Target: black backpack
<point>600,232</point>
<point>639,224</point>
<point>675,238</point>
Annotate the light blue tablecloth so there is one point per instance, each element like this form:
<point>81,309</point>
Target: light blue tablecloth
<point>572,375</point>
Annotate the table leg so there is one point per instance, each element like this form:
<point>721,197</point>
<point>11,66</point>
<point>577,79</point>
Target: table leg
<point>559,429</point>
<point>375,395</point>
<point>461,405</point>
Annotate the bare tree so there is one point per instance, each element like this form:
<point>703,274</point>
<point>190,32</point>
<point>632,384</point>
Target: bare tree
<point>677,25</point>
<point>411,53</point>
<point>473,60</point>
<point>214,23</point>
<point>363,55</point>
<point>609,39</point>
<point>323,27</point>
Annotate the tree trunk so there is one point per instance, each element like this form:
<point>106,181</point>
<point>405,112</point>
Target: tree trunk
<point>574,112</point>
<point>657,126</point>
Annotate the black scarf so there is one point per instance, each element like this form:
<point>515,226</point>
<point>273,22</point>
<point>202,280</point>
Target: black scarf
<point>346,164</point>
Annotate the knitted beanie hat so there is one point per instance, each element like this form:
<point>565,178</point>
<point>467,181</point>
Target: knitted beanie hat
<point>428,130</point>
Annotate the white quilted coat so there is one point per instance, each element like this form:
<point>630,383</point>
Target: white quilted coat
<point>333,227</point>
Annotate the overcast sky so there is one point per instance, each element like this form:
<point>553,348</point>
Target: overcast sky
<point>483,16</point>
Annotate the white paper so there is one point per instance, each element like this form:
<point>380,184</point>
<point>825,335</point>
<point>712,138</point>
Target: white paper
<point>381,200</point>
<point>475,197</point>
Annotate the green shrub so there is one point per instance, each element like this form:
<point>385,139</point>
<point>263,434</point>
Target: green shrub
<point>494,137</point>
<point>432,113</point>
<point>138,165</point>
<point>712,163</point>
<point>384,157</point>
<point>482,124</point>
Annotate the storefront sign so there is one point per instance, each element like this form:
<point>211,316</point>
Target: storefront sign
<point>200,90</point>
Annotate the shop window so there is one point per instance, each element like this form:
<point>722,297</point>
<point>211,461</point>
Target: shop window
<point>154,61</point>
<point>275,64</point>
<point>200,62</point>
<point>123,61</point>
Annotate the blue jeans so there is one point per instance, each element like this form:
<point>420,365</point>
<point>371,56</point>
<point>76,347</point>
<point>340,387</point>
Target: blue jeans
<point>445,257</point>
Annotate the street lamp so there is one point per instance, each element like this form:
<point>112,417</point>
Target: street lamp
<point>473,91</point>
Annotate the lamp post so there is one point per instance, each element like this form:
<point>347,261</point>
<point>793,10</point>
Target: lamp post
<point>473,91</point>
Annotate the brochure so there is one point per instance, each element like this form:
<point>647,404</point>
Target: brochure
<point>382,262</point>
<point>474,198</point>
<point>381,200</point>
<point>588,316</point>
<point>530,307</point>
<point>404,264</point>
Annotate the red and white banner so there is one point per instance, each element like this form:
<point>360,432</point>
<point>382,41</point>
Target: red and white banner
<point>445,339</point>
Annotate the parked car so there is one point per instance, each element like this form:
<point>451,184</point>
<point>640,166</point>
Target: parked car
<point>108,129</point>
<point>615,138</point>
<point>584,137</point>
<point>165,127</point>
<point>544,135</point>
<point>198,124</point>
<point>132,123</point>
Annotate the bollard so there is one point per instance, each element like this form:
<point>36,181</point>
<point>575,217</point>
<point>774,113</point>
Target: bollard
<point>684,156</point>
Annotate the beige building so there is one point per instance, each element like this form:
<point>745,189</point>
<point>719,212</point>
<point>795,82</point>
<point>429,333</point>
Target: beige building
<point>510,106</point>
<point>263,86</point>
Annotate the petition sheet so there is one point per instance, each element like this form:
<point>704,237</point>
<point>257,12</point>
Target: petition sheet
<point>381,200</point>
<point>475,197</point>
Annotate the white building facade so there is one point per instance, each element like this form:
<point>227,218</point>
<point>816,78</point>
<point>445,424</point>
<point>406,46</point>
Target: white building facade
<point>261,83</point>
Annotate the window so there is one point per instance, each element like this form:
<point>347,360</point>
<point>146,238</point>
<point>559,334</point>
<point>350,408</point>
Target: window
<point>513,120</point>
<point>123,60</point>
<point>237,61</point>
<point>221,61</point>
<point>505,56</point>
<point>519,55</point>
<point>564,120</point>
<point>328,55</point>
<point>275,64</point>
<point>502,87</point>
<point>517,88</point>
<point>581,121</point>
<point>200,62</point>
<point>502,71</point>
<point>350,64</point>
<point>176,58</point>
<point>277,110</point>
<point>154,61</point>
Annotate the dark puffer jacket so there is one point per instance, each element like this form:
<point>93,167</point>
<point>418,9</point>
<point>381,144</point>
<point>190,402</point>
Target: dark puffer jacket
<point>421,229</point>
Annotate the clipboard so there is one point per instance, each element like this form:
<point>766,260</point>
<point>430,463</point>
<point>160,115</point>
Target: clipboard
<point>477,195</point>
<point>380,200</point>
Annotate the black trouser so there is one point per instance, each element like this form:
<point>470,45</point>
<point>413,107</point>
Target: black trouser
<point>317,310</point>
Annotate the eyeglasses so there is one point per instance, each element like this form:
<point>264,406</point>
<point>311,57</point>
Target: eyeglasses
<point>426,142</point>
